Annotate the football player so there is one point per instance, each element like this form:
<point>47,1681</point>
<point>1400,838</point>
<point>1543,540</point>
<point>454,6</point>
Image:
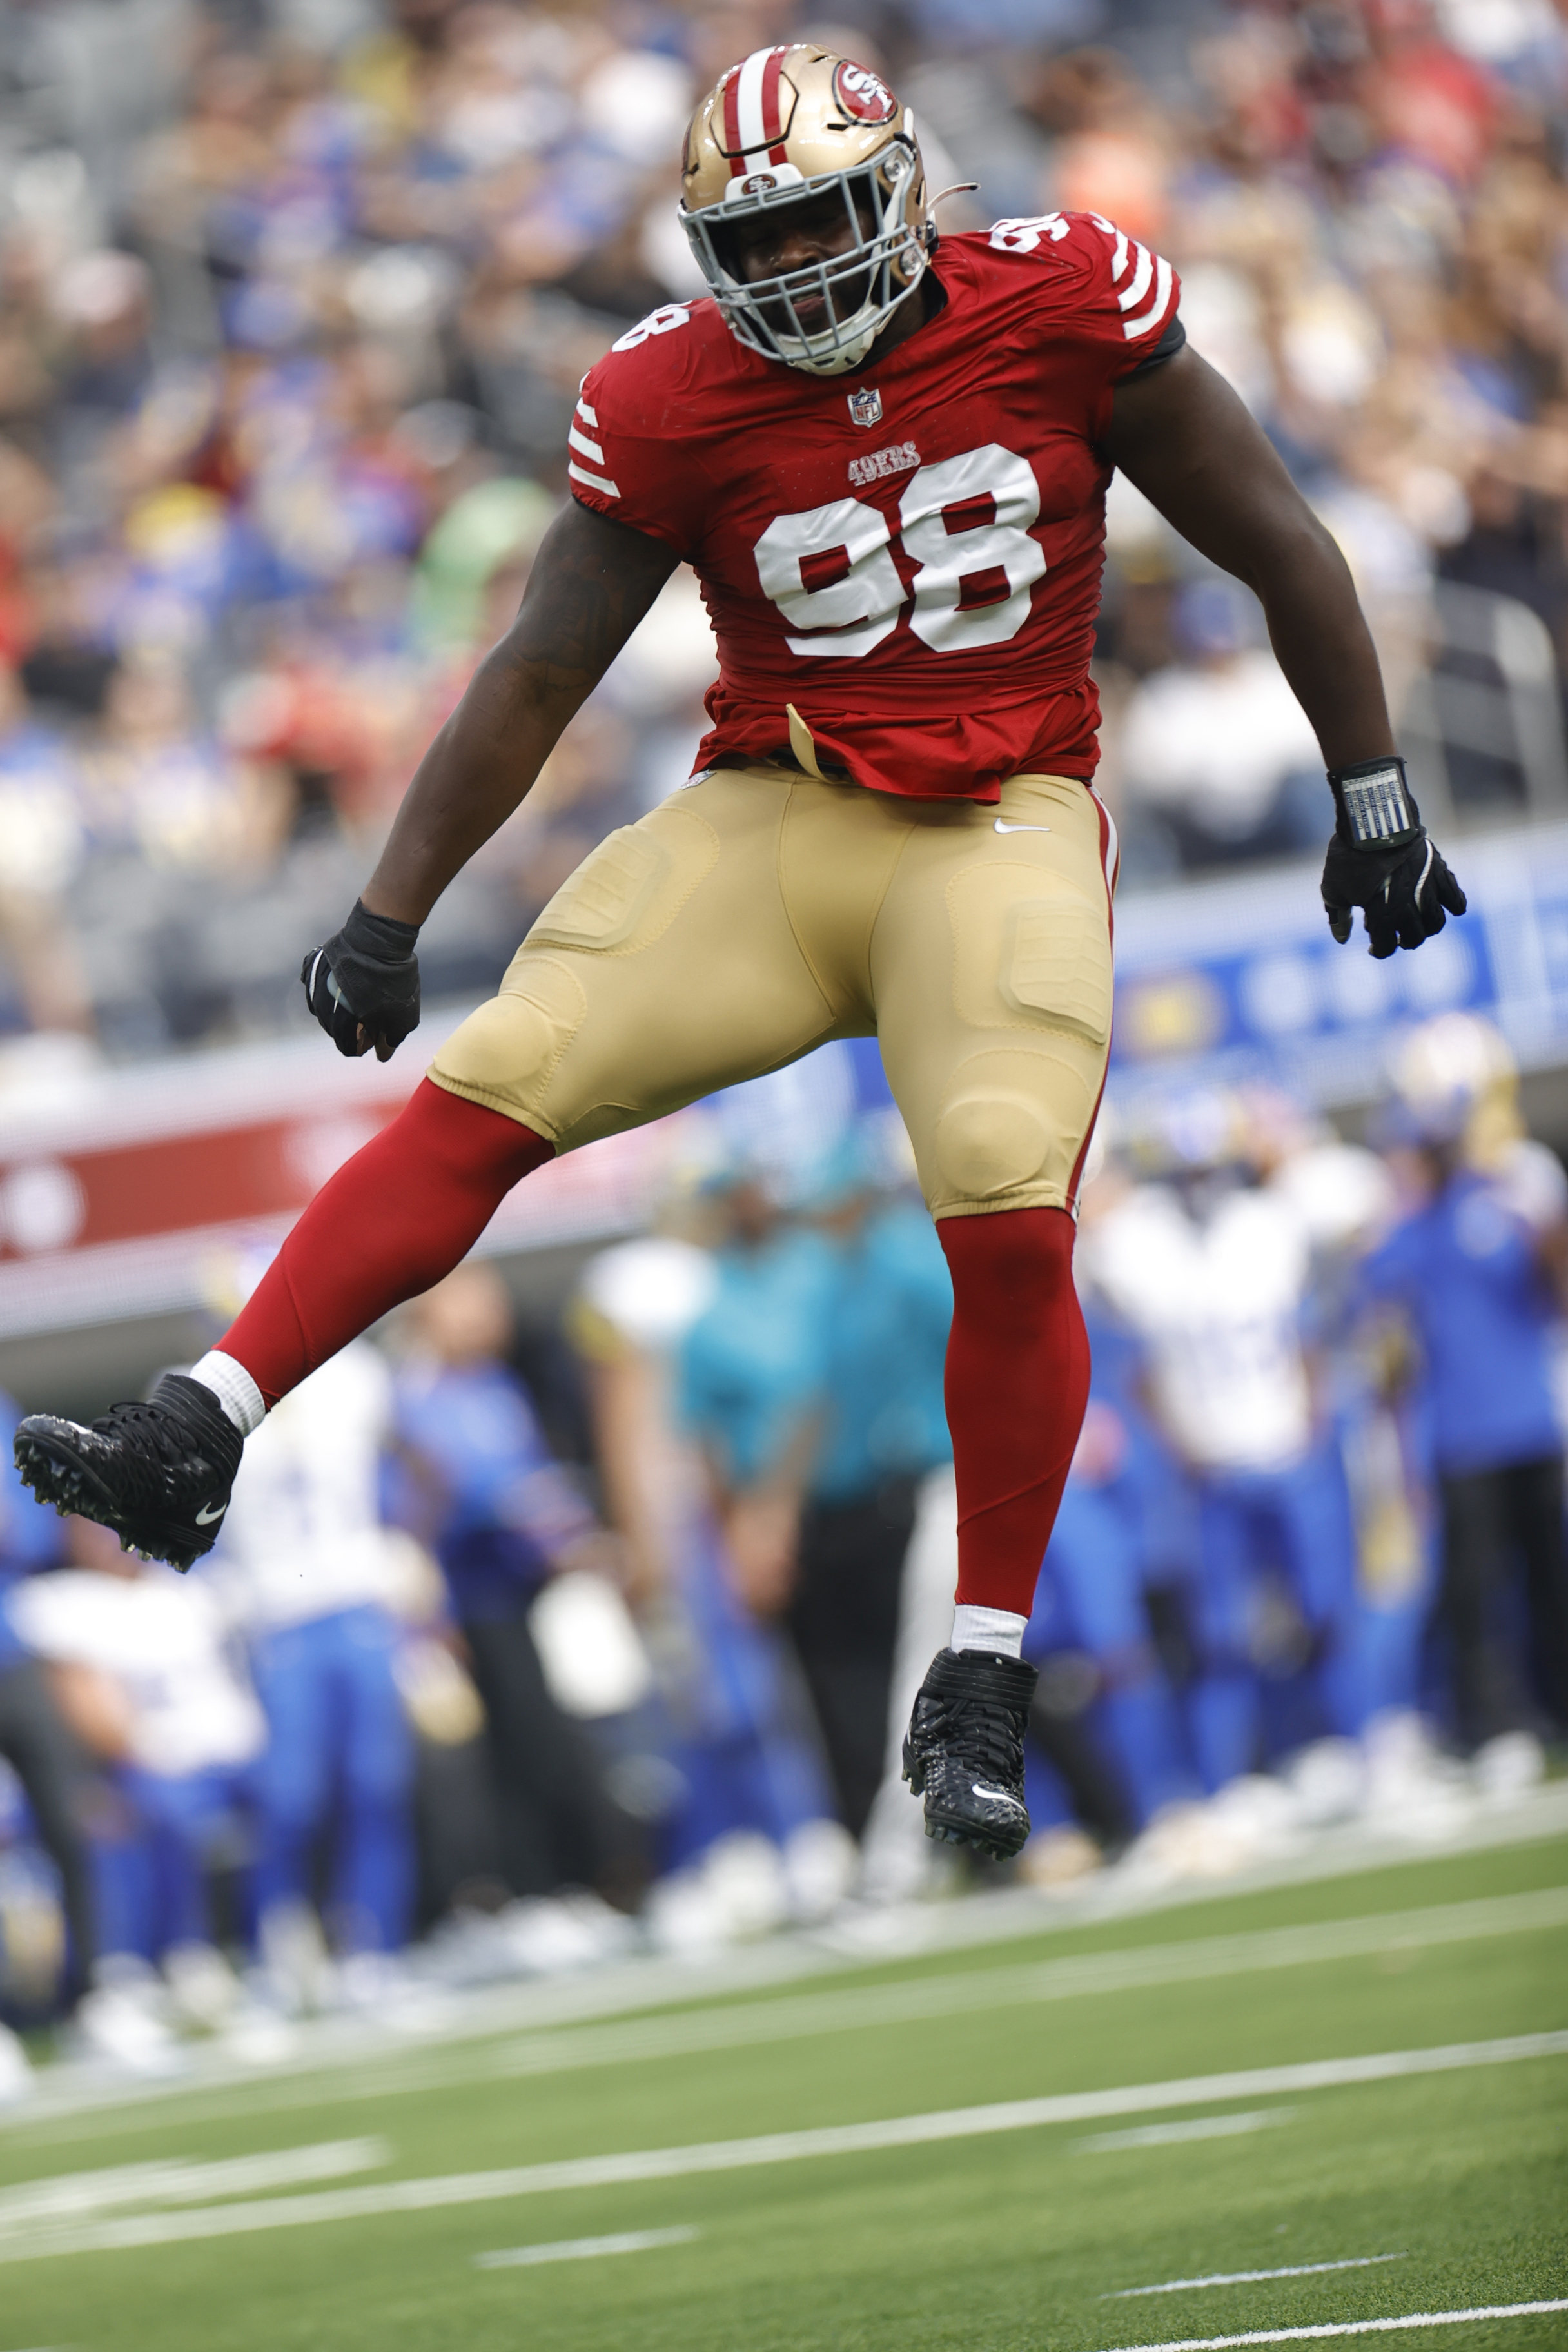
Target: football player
<point>885,458</point>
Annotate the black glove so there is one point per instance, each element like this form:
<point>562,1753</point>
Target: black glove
<point>1381,860</point>
<point>365,979</point>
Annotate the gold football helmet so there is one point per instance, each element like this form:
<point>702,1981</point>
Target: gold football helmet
<point>787,124</point>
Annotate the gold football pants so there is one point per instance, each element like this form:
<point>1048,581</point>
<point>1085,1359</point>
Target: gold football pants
<point>758,913</point>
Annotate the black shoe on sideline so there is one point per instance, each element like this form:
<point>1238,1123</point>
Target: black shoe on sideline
<point>159,1474</point>
<point>964,1751</point>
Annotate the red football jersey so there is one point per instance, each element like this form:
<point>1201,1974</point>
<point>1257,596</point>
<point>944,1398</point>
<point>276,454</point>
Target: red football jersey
<point>911,558</point>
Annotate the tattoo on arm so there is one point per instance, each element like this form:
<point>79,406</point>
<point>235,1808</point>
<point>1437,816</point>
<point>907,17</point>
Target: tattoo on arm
<point>593,583</point>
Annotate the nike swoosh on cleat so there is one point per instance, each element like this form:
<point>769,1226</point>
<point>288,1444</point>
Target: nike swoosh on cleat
<point>1000,826</point>
<point>1002,1796</point>
<point>207,1517</point>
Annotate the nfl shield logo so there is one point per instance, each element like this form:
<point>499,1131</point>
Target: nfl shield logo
<point>866,407</point>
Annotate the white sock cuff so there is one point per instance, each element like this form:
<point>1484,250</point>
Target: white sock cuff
<point>1001,1630</point>
<point>234,1389</point>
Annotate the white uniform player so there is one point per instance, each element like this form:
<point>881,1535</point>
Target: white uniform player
<point>1215,1290</point>
<point>148,1683</point>
<point>310,1570</point>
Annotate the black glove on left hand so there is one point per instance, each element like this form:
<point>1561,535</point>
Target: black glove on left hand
<point>1382,861</point>
<point>363,985</point>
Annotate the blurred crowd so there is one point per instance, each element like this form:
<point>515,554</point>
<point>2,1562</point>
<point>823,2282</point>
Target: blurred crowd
<point>493,1676</point>
<point>295,297</point>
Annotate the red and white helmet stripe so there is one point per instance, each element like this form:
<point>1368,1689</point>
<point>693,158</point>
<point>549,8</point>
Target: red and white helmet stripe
<point>753,126</point>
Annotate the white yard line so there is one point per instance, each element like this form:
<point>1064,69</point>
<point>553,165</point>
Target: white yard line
<point>582,2250</point>
<point>333,2067</point>
<point>62,2199</point>
<point>1200,2127</point>
<point>1246,2278</point>
<point>1353,2327</point>
<point>750,2023</point>
<point>772,2147</point>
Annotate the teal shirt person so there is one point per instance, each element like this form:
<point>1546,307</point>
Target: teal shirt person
<point>750,1365</point>
<point>881,1347</point>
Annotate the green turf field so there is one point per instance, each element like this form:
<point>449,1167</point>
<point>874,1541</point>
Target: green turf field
<point>996,2231</point>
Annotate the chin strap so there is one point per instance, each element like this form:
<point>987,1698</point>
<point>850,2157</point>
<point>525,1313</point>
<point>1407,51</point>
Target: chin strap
<point>851,354</point>
<point>838,363</point>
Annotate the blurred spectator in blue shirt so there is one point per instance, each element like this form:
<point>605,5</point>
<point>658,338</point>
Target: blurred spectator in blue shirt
<point>1478,1269</point>
<point>502,1517</point>
<point>1104,1714</point>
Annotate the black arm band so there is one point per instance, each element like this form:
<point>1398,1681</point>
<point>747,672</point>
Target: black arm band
<point>1374,803</point>
<point>1169,344</point>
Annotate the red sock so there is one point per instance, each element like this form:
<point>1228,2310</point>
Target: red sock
<point>390,1222</point>
<point>1017,1382</point>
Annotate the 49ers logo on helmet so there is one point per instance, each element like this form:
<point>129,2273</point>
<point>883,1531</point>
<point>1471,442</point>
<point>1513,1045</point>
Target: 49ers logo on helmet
<point>863,96</point>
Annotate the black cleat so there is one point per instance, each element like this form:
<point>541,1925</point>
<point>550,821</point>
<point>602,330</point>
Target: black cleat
<point>964,1751</point>
<point>159,1474</point>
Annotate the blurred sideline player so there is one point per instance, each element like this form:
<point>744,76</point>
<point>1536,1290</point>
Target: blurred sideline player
<point>1480,1267</point>
<point>747,1396</point>
<point>1211,1269</point>
<point>885,458</point>
<point>745,1769</point>
<point>37,1744</point>
<point>1104,1715</point>
<point>880,1336</point>
<point>502,1517</point>
<point>309,1571</point>
<point>140,1665</point>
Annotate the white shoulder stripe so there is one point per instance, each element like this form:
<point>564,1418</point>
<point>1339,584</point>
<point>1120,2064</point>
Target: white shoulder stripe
<point>595,481</point>
<point>1118,256</point>
<point>1132,327</point>
<point>589,415</point>
<point>1138,284</point>
<point>589,448</point>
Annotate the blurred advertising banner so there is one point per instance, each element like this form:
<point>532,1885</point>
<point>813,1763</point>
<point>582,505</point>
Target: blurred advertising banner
<point>1239,981</point>
<point>138,1190</point>
<point>129,1191</point>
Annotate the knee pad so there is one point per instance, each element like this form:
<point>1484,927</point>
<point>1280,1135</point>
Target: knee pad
<point>1013,1122</point>
<point>511,1047</point>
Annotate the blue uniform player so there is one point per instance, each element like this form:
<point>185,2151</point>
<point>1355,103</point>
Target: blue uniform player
<point>1478,1269</point>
